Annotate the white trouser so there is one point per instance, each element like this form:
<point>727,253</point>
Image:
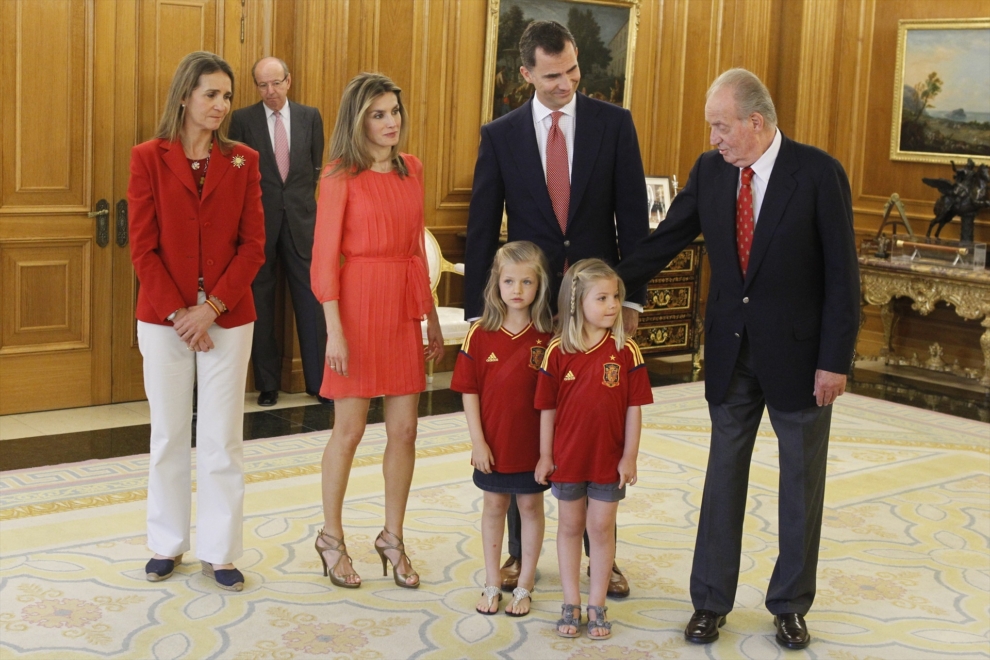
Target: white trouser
<point>170,370</point>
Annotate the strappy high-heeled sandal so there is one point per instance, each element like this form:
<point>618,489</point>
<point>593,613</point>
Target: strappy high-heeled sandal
<point>517,595</point>
<point>567,618</point>
<point>330,571</point>
<point>599,623</point>
<point>400,547</point>
<point>494,595</point>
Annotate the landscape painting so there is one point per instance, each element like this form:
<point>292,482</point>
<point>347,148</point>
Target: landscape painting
<point>942,92</point>
<point>605,33</point>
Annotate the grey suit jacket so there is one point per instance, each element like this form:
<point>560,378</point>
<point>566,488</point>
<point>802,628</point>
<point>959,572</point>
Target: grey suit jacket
<point>296,195</point>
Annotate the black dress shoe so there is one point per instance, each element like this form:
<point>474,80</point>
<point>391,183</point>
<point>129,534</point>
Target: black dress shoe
<point>322,399</point>
<point>268,398</point>
<point>792,631</point>
<point>703,627</point>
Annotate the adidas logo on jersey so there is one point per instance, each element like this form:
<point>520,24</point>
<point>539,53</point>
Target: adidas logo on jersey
<point>569,376</point>
<point>492,358</point>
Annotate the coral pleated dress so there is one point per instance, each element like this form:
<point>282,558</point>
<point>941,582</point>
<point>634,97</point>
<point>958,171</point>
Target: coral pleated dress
<point>375,221</point>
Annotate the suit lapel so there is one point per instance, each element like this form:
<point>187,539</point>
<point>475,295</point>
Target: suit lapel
<point>259,126</point>
<point>219,166</point>
<point>721,239</point>
<point>175,159</point>
<point>588,131</point>
<point>779,190</point>
<point>526,152</point>
<point>297,145</point>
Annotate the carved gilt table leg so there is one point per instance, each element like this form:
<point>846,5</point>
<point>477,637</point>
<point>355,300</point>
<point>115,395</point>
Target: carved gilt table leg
<point>889,318</point>
<point>985,345</point>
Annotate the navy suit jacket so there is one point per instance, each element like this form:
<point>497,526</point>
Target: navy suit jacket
<point>607,216</point>
<point>296,196</point>
<point>799,301</point>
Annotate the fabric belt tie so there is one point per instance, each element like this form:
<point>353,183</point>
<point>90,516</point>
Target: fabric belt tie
<point>419,294</point>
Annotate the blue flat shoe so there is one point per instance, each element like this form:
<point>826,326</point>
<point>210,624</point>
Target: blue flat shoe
<point>230,579</point>
<point>157,570</point>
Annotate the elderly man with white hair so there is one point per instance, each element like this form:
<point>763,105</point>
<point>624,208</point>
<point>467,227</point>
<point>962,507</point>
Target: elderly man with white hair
<point>780,329</point>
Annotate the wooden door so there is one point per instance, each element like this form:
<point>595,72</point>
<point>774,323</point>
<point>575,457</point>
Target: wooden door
<point>86,81</point>
<point>55,283</point>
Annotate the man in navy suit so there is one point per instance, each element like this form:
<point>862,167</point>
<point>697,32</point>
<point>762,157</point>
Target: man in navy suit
<point>287,136</point>
<point>588,145</point>
<point>780,329</point>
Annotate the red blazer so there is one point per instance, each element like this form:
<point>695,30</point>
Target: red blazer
<point>175,235</point>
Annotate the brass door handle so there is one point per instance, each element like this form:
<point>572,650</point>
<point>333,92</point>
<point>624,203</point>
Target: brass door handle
<point>102,215</point>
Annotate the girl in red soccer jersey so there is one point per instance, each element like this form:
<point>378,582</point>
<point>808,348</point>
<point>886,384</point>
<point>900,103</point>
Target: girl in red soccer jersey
<point>590,389</point>
<point>496,372</point>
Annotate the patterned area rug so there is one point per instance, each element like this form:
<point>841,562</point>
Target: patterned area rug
<point>904,570</point>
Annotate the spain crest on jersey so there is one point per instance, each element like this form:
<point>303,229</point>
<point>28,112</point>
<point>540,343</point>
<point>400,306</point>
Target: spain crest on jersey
<point>611,376</point>
<point>536,354</point>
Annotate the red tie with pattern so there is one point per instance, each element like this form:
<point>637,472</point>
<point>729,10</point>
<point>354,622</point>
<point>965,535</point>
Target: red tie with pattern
<point>744,219</point>
<point>558,178</point>
<point>281,147</point>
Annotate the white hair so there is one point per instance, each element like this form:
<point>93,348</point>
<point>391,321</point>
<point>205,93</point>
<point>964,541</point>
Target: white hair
<point>749,92</point>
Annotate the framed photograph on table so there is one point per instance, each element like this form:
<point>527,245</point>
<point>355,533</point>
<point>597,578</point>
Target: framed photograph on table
<point>605,32</point>
<point>942,91</point>
<point>659,193</point>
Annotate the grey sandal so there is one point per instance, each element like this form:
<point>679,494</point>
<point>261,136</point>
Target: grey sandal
<point>599,624</point>
<point>567,619</point>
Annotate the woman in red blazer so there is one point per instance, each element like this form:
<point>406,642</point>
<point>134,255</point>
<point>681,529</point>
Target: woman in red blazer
<point>197,240</point>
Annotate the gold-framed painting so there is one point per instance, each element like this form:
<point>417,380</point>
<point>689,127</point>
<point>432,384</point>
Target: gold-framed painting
<point>605,33</point>
<point>942,91</point>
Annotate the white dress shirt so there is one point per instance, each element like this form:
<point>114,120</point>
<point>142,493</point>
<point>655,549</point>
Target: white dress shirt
<point>543,121</point>
<point>284,113</point>
<point>762,169</point>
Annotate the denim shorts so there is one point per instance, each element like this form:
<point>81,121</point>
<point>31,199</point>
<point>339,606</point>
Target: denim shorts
<point>569,492</point>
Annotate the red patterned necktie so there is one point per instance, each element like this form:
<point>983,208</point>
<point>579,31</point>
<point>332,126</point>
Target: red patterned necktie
<point>745,223</point>
<point>558,178</point>
<point>281,147</point>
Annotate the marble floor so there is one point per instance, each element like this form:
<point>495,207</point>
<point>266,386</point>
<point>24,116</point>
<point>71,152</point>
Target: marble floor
<point>67,436</point>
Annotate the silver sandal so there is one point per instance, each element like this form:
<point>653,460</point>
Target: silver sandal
<point>599,623</point>
<point>517,595</point>
<point>490,593</point>
<point>567,619</point>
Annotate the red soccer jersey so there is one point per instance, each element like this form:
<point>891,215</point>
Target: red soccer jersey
<point>591,392</point>
<point>502,369</point>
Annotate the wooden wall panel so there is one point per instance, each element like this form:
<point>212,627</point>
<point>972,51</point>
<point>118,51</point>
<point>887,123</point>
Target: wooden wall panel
<point>45,149</point>
<point>829,65</point>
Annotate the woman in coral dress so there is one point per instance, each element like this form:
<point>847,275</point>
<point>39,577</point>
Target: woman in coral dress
<point>370,211</point>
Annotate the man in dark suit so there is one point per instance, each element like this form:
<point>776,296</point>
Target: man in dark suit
<point>567,170</point>
<point>780,328</point>
<point>289,138</point>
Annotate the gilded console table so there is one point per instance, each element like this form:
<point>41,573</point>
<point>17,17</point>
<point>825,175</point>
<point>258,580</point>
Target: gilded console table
<point>671,320</point>
<point>968,291</point>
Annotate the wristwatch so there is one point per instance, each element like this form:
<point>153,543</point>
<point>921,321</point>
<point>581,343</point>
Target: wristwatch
<point>171,316</point>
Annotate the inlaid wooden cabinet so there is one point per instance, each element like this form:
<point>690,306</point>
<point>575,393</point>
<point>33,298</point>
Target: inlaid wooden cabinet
<point>671,323</point>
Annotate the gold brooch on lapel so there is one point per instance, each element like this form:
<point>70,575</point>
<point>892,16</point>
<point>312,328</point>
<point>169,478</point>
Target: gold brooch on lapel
<point>238,161</point>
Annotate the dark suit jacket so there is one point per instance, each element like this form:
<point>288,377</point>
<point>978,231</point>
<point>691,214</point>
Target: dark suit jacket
<point>799,302</point>
<point>175,234</point>
<point>296,196</point>
<point>608,213</point>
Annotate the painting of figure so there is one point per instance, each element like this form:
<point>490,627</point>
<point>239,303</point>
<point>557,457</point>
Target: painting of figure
<point>605,35</point>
